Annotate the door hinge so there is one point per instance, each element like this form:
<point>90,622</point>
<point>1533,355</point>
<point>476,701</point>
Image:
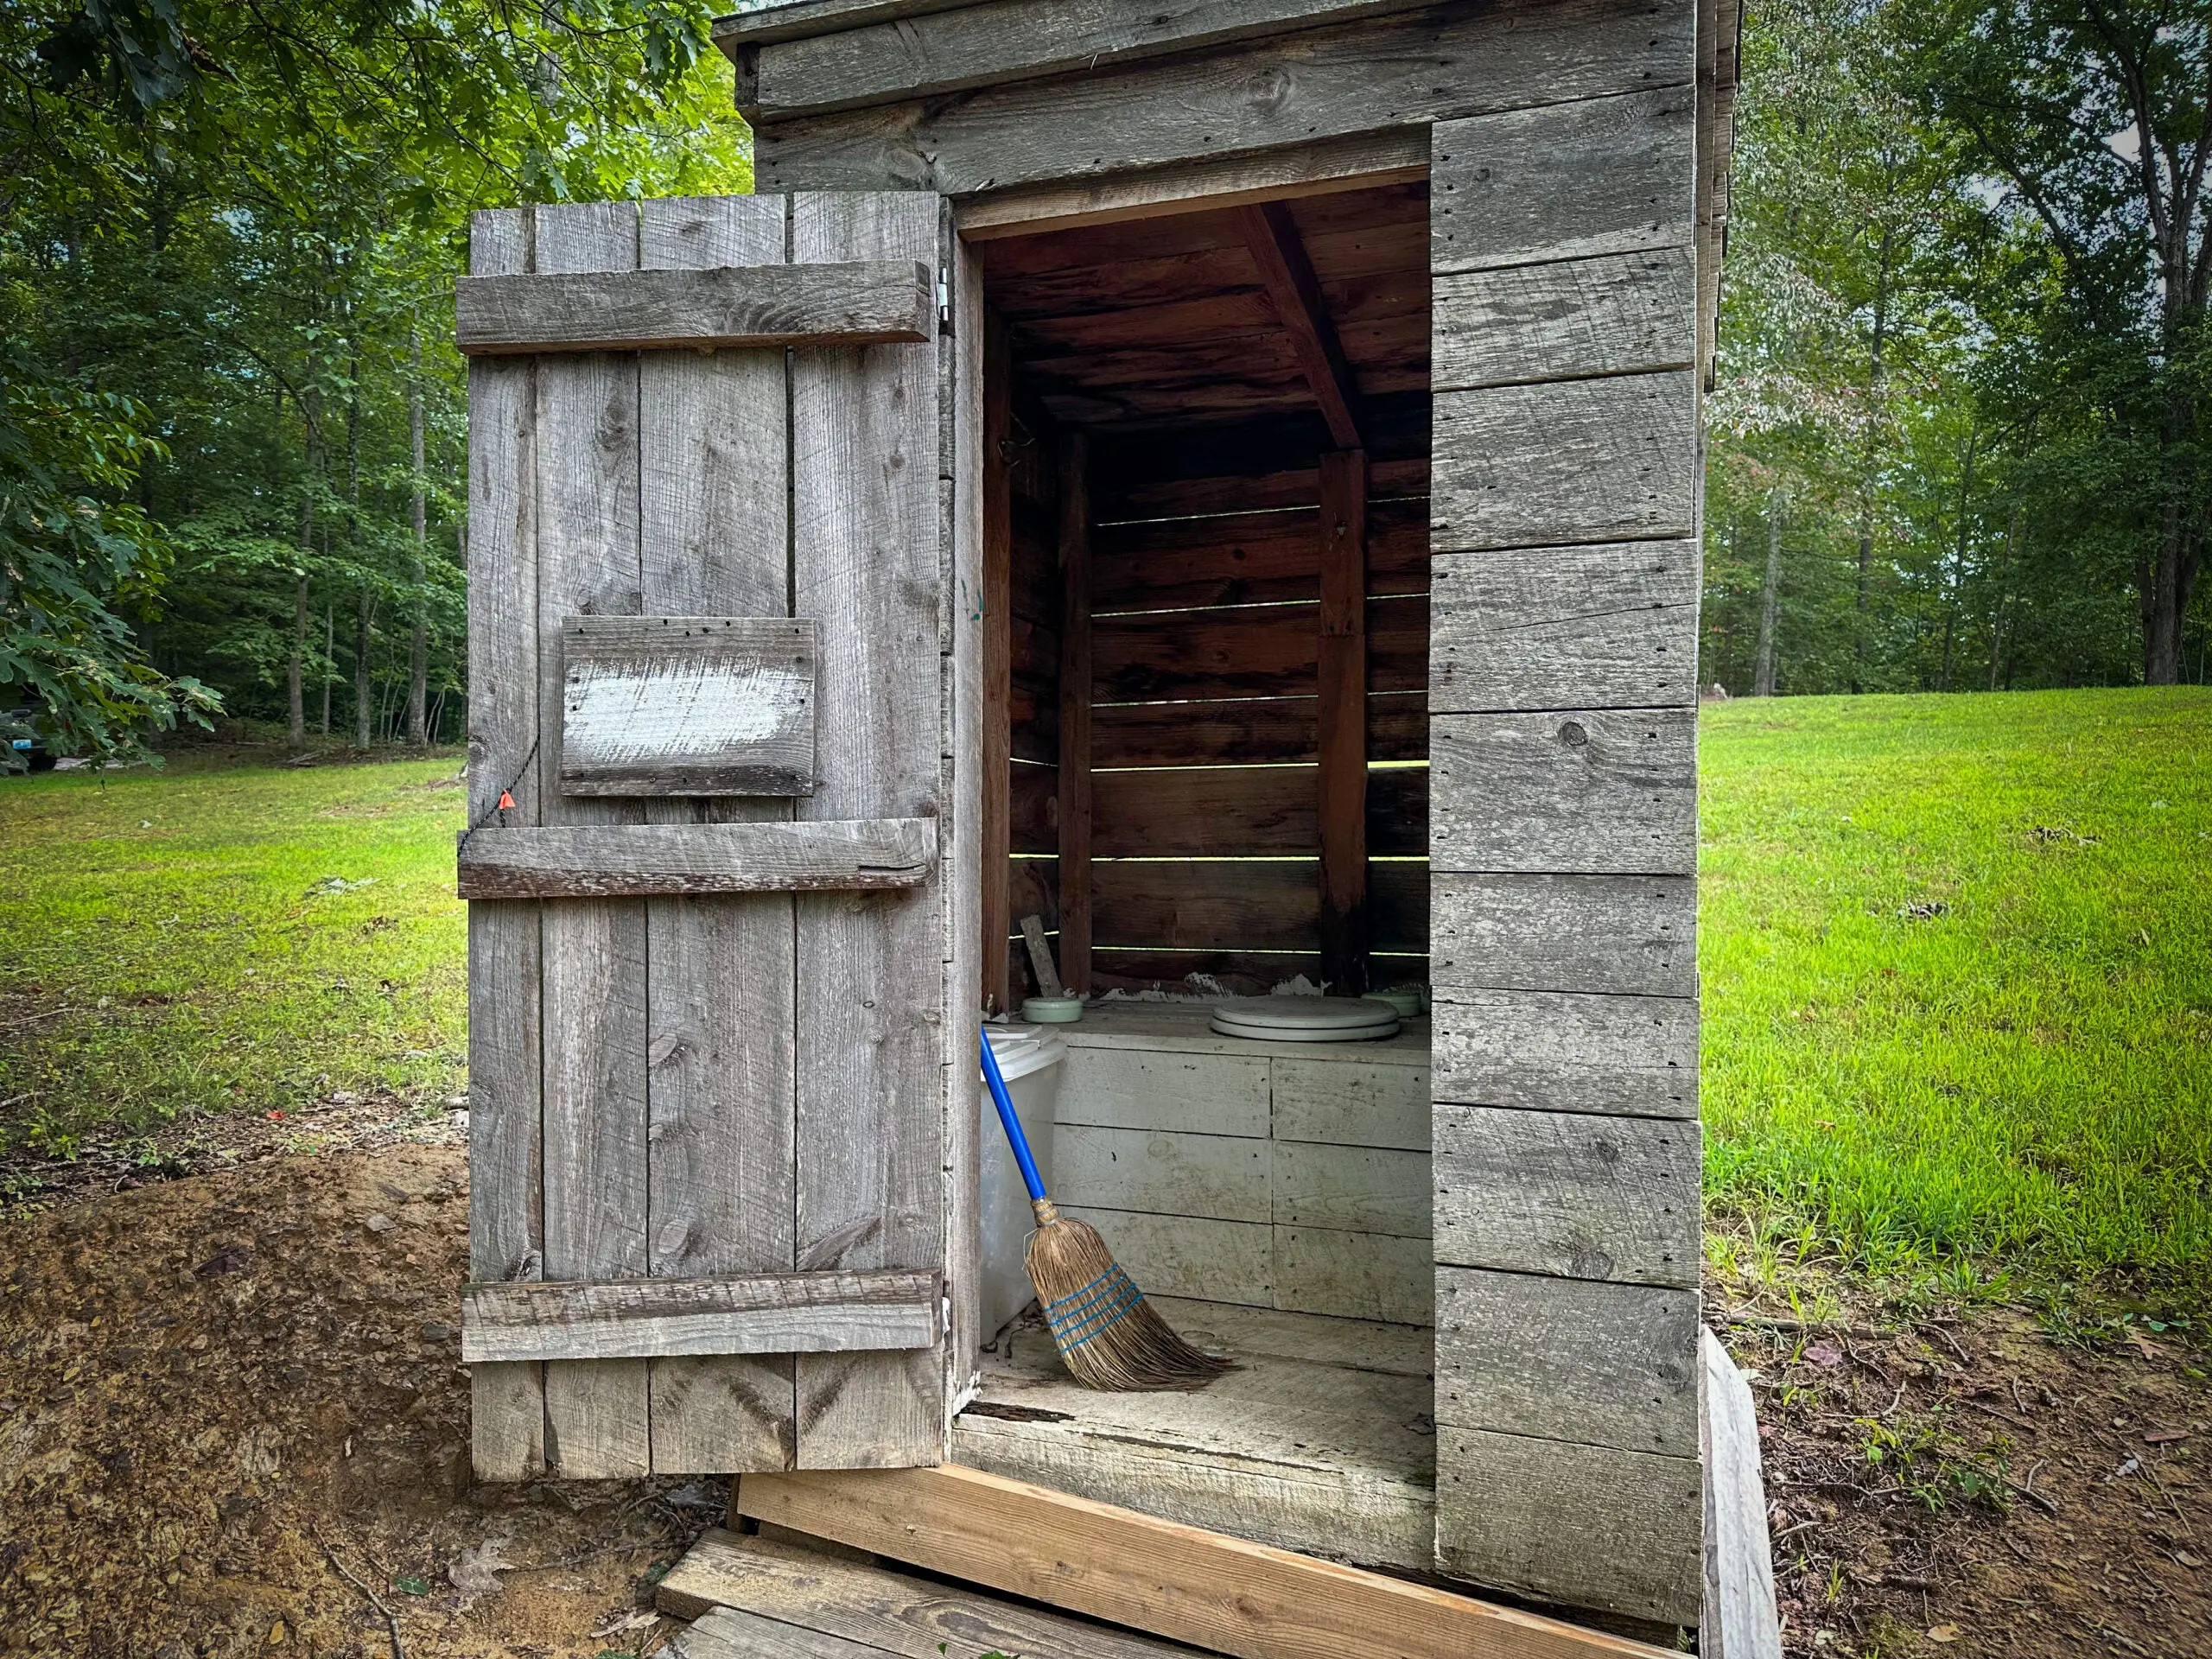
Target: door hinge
<point>944,296</point>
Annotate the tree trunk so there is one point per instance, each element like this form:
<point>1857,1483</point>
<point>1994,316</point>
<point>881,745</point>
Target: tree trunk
<point>1959,562</point>
<point>418,645</point>
<point>362,725</point>
<point>330,657</point>
<point>2003,620</point>
<point>1872,453</point>
<point>1770,601</point>
<point>295,691</point>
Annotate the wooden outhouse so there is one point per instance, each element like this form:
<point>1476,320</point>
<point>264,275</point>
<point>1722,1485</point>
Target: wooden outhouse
<point>1223,478</point>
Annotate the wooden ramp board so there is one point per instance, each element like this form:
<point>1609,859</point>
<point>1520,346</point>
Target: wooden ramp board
<point>759,1597</point>
<point>1322,1443</point>
<point>1188,1585</point>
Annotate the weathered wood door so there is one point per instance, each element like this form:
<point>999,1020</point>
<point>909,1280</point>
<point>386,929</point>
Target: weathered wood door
<point>721,1027</point>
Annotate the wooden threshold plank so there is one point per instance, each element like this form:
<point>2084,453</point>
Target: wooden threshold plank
<point>726,1633</point>
<point>1739,1621</point>
<point>1180,1582</point>
<point>884,1611</point>
<point>754,1313</point>
<point>602,861</point>
<point>857,302</point>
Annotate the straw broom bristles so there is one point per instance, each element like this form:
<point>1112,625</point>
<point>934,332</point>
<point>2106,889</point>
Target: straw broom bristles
<point>1109,1336</point>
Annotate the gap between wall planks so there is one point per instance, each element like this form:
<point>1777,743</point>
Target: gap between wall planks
<point>1181,1582</point>
<point>1075,780</point>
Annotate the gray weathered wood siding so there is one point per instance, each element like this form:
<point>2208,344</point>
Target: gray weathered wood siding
<point>666,1082</point>
<point>1563,741</point>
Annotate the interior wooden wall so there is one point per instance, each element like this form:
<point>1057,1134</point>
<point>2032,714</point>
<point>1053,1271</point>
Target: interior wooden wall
<point>1204,641</point>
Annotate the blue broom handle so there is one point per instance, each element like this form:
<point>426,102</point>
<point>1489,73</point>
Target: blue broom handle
<point>1030,1177</point>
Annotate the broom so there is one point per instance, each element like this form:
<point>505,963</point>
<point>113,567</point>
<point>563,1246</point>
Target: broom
<point>1107,1335</point>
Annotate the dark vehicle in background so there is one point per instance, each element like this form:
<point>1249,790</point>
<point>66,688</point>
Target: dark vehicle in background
<point>24,747</point>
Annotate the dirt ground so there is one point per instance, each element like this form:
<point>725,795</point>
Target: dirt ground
<point>224,1392</point>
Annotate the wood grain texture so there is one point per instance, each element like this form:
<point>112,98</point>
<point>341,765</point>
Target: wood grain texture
<point>1617,314</point>
<point>1211,1590</point>
<point>1600,792</point>
<point>1220,1178</point>
<point>1354,1276</point>
<point>767,1314</point>
<point>1565,179</point>
<point>1246,905</point>
<point>595,1113</point>
<point>505,1219</point>
<point>1133,1088</point>
<point>1598,1364</point>
<point>1350,1189</point>
<point>1250,733</point>
<point>1567,1194</point>
<point>1551,1051</point>
<point>1739,1621</point>
<point>1299,89</point>
<point>1575,461</point>
<point>1250,558</point>
<point>1352,1104</point>
<point>1632,934</point>
<point>714,447</point>
<point>1302,313</point>
<point>950,51</point>
<point>1076,798</point>
<point>728,1634</point>
<point>891,1612</point>
<point>997,602</point>
<point>1189,1255</point>
<point>1589,1525</point>
<point>1205,812</point>
<point>854,302</point>
<point>1318,1443</point>
<point>1259,651</point>
<point>1609,625</point>
<point>687,705</point>
<point>604,860</point>
<point>870,1088</point>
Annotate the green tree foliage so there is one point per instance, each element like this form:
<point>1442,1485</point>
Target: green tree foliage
<point>1961,349</point>
<point>230,232</point>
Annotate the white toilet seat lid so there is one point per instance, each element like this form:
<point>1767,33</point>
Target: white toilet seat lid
<point>1305,1019</point>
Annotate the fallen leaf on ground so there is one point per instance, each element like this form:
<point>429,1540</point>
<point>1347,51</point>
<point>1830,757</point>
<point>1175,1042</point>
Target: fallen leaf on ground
<point>2165,1436</point>
<point>475,1573</point>
<point>1826,1355</point>
<point>1942,1633</point>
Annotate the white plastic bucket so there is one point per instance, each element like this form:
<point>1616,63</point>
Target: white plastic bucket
<point>1030,1061</point>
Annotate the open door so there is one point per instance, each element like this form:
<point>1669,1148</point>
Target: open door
<point>720,954</point>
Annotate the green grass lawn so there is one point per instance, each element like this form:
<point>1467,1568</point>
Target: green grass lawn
<point>180,939</point>
<point>1956,951</point>
<point>1957,963</point>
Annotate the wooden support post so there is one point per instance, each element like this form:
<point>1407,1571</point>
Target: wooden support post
<point>1074,715</point>
<point>1343,721</point>
<point>997,823</point>
<point>1272,236</point>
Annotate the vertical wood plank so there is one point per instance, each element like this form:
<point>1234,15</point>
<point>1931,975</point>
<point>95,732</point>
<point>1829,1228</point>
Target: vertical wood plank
<point>865,529</point>
<point>596,1417</point>
<point>713,540</point>
<point>1075,714</point>
<point>1343,776</point>
<point>960,849</point>
<point>505,1238</point>
<point>998,658</point>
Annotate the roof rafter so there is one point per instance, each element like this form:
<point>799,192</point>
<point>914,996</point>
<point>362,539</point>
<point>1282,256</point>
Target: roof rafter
<point>1272,235</point>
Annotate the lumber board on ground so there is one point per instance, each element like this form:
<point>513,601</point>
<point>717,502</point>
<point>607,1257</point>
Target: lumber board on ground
<point>761,1314</point>
<point>1605,626</point>
<point>1615,314</point>
<point>1622,934</point>
<point>1739,1620</point>
<point>851,303</point>
<point>714,457</point>
<point>1177,1581</point>
<point>1569,1194</point>
<point>596,1183</point>
<point>889,1612</point>
<point>1565,790</point>
<point>598,860</point>
<point>1565,179</point>
<point>873,1038</point>
<point>691,705</point>
<point>1598,1364</point>
<point>1401,72</point>
<point>505,1236</point>
<point>1000,41</point>
<point>1570,461</point>
<point>1548,1519</point>
<point>727,1634</point>
<point>1566,1051</point>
